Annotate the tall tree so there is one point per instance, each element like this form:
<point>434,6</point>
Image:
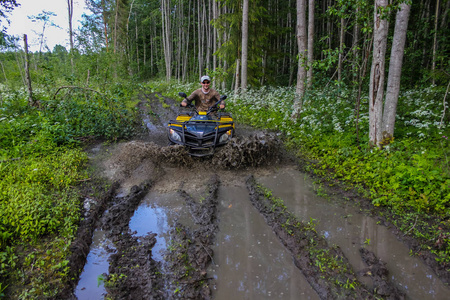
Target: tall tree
<point>395,70</point>
<point>165,13</point>
<point>436,19</point>
<point>244,44</point>
<point>310,42</point>
<point>301,73</point>
<point>376,84</point>
<point>31,100</point>
<point>70,17</point>
<point>45,18</point>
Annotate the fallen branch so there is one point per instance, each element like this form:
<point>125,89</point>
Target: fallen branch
<point>75,87</point>
<point>11,159</point>
<point>412,226</point>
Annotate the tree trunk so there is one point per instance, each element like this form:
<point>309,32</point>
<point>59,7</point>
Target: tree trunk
<point>236,87</point>
<point>137,44</point>
<point>355,46</point>
<point>433,63</point>
<point>70,11</point>
<point>341,50</point>
<point>199,40</point>
<point>166,37</point>
<point>301,73</point>
<point>376,84</point>
<point>105,25</point>
<point>31,101</point>
<point>244,44</point>
<point>4,73</point>
<point>361,75</point>
<point>395,71</point>
<point>116,25</point>
<point>310,42</point>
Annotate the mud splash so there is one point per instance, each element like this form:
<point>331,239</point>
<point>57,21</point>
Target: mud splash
<point>256,150</point>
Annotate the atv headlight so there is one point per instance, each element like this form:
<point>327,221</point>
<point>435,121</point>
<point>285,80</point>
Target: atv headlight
<point>225,137</point>
<point>174,135</point>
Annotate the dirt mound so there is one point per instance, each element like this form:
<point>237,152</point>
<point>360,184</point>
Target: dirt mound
<point>80,246</point>
<point>379,273</point>
<point>133,272</point>
<point>190,252</point>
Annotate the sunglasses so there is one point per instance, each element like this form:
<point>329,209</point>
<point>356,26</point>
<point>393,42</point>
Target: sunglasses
<point>205,82</point>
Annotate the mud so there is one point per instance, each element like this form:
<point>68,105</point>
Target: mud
<point>190,251</point>
<point>146,164</point>
<point>303,243</point>
<point>81,245</point>
<point>379,274</point>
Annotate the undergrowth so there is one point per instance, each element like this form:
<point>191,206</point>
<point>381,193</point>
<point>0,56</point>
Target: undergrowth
<point>41,165</point>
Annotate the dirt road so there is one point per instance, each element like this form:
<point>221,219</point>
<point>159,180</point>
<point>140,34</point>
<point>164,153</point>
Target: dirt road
<point>179,227</point>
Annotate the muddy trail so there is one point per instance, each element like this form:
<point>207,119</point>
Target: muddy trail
<point>244,224</point>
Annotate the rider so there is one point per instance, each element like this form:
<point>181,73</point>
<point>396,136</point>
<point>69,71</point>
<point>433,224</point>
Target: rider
<point>204,97</point>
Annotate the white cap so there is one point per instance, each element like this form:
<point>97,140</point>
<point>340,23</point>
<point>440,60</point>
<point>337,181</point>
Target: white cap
<point>206,77</point>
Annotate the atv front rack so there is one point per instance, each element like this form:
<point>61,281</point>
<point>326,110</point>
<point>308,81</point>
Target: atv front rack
<point>201,137</point>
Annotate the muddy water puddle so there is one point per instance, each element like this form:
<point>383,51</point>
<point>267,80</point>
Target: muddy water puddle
<point>158,213</point>
<point>343,225</point>
<point>249,260</point>
<point>90,285</point>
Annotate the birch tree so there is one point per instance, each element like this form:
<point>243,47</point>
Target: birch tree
<point>244,44</point>
<point>165,4</point>
<point>70,16</point>
<point>433,63</point>
<point>310,42</point>
<point>376,84</point>
<point>301,73</point>
<point>395,71</point>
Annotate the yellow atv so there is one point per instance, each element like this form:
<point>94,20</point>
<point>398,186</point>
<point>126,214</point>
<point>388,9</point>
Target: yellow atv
<point>201,132</point>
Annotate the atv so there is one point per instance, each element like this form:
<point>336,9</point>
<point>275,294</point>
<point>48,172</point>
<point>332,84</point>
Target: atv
<point>201,132</point>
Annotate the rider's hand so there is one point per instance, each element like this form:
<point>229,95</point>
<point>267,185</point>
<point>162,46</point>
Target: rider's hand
<point>184,103</point>
<point>222,106</point>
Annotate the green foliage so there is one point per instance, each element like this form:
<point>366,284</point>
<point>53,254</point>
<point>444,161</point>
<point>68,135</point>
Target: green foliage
<point>40,164</point>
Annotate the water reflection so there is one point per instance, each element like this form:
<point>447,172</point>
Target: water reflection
<point>344,226</point>
<point>250,262</point>
<point>90,285</point>
<point>157,213</point>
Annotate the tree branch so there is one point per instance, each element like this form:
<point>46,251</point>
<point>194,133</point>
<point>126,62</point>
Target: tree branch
<point>74,87</point>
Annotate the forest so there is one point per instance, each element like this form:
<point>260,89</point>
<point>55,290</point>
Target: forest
<point>358,89</point>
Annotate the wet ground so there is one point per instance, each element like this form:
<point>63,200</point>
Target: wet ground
<point>246,224</point>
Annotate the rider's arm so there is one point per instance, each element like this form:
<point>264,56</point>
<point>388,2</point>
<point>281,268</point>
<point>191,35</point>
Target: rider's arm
<point>190,98</point>
<point>222,104</point>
